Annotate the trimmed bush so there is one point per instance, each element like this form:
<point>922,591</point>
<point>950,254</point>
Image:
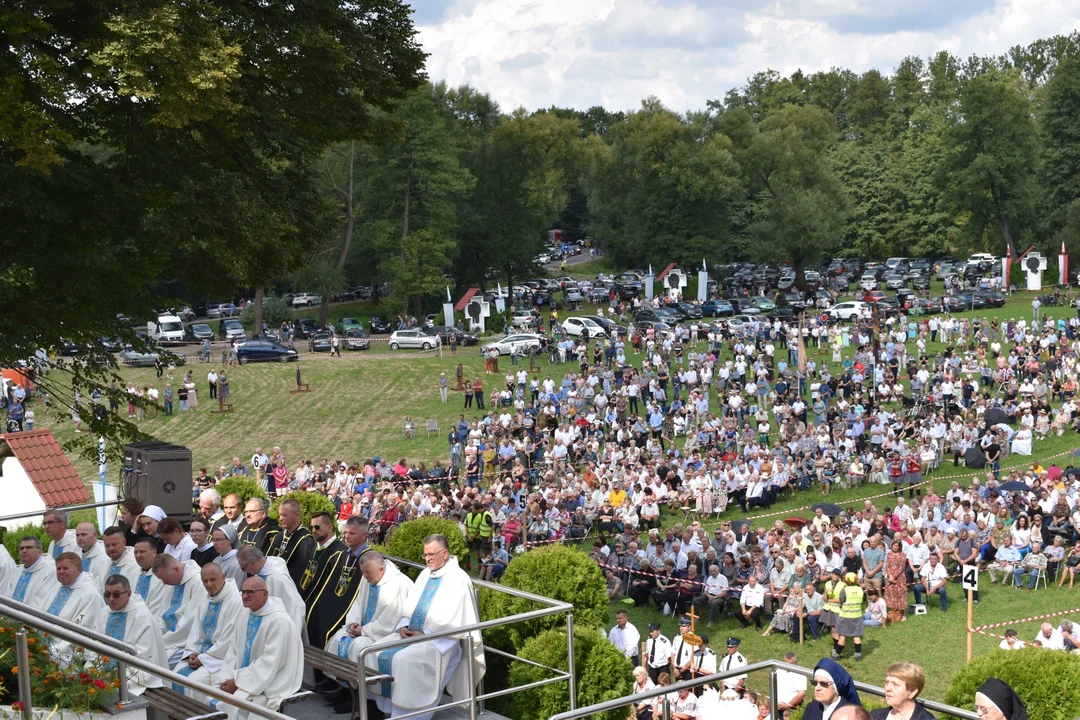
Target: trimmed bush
<point>603,673</point>
<point>1046,681</point>
<point>407,540</point>
<point>241,486</point>
<point>310,503</point>
<point>557,572</point>
<point>12,537</point>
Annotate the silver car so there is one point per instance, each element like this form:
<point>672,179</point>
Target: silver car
<point>415,339</point>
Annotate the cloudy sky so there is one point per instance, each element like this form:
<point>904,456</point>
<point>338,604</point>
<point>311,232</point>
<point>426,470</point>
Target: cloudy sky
<point>580,53</point>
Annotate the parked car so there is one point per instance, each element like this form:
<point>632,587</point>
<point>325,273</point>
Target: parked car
<point>112,345</point>
<point>920,282</point>
<point>716,308</point>
<point>813,279</point>
<point>264,351</point>
<point>411,339</point>
<point>356,339</point>
<point>786,281</point>
<point>349,323</point>
<point>762,303</point>
<point>305,327</point>
<point>583,328</point>
<point>379,324</point>
<point>523,341</point>
<point>611,327</point>
<point>444,332</point>
<point>306,299</point>
<point>689,310</point>
<point>320,341</point>
<point>231,329</point>
<point>848,310</point>
<point>200,332</point>
<point>991,298</point>
<point>657,326</point>
<point>146,358</point>
<point>524,319</point>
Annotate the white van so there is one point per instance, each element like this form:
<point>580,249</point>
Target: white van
<point>167,329</point>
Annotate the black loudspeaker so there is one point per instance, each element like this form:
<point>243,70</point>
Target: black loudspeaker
<point>159,474</point>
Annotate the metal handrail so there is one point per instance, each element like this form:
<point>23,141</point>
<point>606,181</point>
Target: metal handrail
<point>75,627</point>
<point>65,508</point>
<point>79,638</point>
<point>772,665</point>
<point>553,607</point>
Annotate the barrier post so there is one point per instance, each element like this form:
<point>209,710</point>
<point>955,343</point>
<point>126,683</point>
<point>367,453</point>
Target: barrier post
<point>22,655</point>
<point>970,605</point>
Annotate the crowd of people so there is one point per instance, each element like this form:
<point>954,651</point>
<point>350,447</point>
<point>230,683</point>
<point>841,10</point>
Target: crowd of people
<point>232,601</point>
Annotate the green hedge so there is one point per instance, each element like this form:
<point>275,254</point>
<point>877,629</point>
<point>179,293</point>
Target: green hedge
<point>12,537</point>
<point>557,572</point>
<point>407,540</point>
<point>310,503</point>
<point>1046,680</point>
<point>603,673</point>
<point>241,486</point>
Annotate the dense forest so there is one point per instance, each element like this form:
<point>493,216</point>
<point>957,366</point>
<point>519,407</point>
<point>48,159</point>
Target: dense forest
<point>941,155</point>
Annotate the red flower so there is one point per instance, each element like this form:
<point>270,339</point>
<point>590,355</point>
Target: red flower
<point>101,684</point>
<point>16,705</point>
<point>84,678</point>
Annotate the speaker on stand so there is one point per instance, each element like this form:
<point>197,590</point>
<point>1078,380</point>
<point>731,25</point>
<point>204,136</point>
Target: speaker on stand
<point>157,473</point>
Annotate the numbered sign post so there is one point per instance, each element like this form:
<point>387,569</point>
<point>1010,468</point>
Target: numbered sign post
<point>969,580</point>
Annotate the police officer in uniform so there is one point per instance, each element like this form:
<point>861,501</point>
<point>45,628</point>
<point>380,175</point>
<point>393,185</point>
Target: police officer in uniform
<point>733,661</point>
<point>657,653</point>
<point>681,653</point>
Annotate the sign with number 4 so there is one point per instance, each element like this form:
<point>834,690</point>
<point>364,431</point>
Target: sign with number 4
<point>969,577</point>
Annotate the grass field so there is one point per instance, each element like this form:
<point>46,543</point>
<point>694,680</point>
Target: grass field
<point>356,409</point>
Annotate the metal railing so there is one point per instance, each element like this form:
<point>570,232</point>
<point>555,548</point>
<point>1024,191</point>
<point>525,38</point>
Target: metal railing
<point>475,701</point>
<point>66,509</point>
<point>773,666</point>
<point>123,659</point>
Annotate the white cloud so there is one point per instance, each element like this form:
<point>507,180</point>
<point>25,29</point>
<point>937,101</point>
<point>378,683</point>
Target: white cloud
<point>580,53</point>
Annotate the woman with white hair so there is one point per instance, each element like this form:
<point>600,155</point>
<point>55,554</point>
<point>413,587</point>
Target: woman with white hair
<point>642,684</point>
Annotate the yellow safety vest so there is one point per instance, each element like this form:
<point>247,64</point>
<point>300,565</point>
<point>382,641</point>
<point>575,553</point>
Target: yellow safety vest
<point>832,596</point>
<point>852,607</point>
<point>479,523</point>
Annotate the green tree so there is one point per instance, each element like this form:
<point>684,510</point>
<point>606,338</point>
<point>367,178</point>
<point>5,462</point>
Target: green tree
<point>987,170</point>
<point>1059,171</point>
<point>802,202</point>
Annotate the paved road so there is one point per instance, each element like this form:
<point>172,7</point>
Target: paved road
<point>570,262</point>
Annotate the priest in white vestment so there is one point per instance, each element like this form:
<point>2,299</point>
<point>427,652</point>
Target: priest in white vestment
<point>207,644</point>
<point>61,540</point>
<point>275,572</point>
<point>94,560</point>
<point>35,578</point>
<point>265,662</point>
<point>127,618</point>
<point>442,599</point>
<point>183,592</point>
<point>77,598</point>
<point>377,609</point>
<point>121,557</point>
<point>8,571</point>
<point>147,585</point>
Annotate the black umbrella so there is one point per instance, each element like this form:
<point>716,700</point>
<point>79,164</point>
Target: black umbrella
<point>1014,486</point>
<point>830,509</point>
<point>974,458</point>
<point>994,416</point>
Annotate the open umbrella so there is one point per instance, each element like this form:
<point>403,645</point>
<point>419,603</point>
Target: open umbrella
<point>995,416</point>
<point>1014,486</point>
<point>830,509</point>
<point>795,522</point>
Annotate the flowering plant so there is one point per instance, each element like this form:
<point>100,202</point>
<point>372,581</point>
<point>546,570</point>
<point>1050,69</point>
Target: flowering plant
<point>75,679</point>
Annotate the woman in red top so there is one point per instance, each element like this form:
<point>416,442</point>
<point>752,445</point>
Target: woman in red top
<point>401,469</point>
<point>281,478</point>
<point>345,512</point>
<point>896,473</point>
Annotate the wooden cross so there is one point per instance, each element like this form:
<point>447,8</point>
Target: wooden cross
<point>692,617</point>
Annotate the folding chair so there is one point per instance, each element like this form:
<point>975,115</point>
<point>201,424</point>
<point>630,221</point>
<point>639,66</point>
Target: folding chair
<point>432,426</point>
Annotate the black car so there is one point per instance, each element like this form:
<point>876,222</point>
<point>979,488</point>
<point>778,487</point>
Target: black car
<point>784,313</point>
<point>263,351</point>
<point>357,339</point>
<point>650,316</point>
<point>964,301</point>
<point>920,282</point>
<point>113,345</point>
<point>320,341</point>
<point>200,331</point>
<point>991,298</point>
<point>630,290</point>
<point>611,327</point>
<point>689,310</point>
<point>444,332</point>
<point>791,299</point>
<point>379,324</point>
<point>305,327</point>
<point>541,297</point>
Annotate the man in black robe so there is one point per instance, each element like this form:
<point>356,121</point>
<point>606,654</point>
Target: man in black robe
<point>337,585</point>
<point>324,558</point>
<point>260,531</point>
<point>297,547</point>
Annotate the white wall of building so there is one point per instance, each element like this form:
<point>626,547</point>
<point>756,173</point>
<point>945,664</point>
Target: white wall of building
<point>18,493</point>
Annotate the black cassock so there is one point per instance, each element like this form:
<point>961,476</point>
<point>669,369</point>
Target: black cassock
<point>331,594</point>
<point>296,549</point>
<point>266,537</point>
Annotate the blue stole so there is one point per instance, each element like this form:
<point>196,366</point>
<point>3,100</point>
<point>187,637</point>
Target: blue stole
<point>23,584</point>
<point>170,615</point>
<point>59,601</point>
<point>416,624</point>
<point>209,625</point>
<point>115,570</point>
<point>142,585</point>
<point>115,628</point>
<point>254,623</point>
<point>86,564</point>
<point>369,612</point>
<point>57,550</point>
